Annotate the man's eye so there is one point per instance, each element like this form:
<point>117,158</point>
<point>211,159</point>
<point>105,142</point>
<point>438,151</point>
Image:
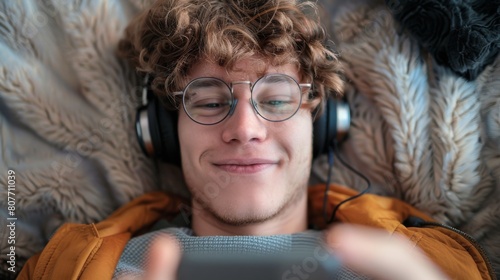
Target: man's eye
<point>210,105</point>
<point>277,102</point>
<point>209,101</point>
<point>277,106</point>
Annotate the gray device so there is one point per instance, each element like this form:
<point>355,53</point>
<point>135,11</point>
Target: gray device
<point>300,265</point>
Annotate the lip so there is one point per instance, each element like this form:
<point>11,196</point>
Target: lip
<point>245,166</point>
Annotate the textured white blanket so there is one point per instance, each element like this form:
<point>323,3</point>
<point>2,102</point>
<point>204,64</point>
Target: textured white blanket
<point>68,105</point>
<point>419,132</point>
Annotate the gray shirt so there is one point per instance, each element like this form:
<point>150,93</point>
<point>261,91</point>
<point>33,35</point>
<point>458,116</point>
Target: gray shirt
<point>134,257</point>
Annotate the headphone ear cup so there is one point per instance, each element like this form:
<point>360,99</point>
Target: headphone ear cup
<point>156,130</point>
<point>322,129</point>
<point>332,125</point>
<point>168,139</point>
<point>142,131</point>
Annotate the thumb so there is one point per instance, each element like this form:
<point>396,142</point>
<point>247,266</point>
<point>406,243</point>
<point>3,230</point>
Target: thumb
<point>164,258</point>
<point>379,254</point>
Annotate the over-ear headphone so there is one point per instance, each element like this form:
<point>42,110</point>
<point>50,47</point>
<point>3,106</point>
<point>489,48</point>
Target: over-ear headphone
<point>156,127</point>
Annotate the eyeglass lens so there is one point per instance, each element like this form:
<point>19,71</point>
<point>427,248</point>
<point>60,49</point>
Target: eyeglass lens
<point>275,97</point>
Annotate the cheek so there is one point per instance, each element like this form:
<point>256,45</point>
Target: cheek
<point>190,149</point>
<point>298,136</point>
<point>188,143</point>
<point>304,143</point>
<point>306,139</point>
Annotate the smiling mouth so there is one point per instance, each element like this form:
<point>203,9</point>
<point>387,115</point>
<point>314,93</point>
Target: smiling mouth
<point>244,168</point>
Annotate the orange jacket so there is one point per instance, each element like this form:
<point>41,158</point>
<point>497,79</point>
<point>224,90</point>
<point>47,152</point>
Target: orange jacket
<point>78,251</point>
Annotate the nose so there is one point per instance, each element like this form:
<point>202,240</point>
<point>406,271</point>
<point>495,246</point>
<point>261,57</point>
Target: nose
<point>244,125</point>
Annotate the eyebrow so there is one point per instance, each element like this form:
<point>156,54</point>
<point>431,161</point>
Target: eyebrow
<point>203,83</point>
<point>208,82</point>
<point>274,79</point>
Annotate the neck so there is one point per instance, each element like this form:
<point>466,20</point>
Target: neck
<point>292,219</point>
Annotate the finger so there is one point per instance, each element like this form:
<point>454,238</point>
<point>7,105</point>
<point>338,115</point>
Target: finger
<point>164,258</point>
<point>379,254</point>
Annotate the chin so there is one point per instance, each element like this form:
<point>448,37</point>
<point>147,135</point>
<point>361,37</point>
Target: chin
<point>245,215</point>
<point>249,207</point>
<point>251,201</point>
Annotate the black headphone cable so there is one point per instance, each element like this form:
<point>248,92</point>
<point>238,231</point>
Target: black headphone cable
<point>331,152</point>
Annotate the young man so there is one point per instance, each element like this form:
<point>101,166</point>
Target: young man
<point>246,78</point>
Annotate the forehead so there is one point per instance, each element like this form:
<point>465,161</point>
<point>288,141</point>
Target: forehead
<point>249,69</point>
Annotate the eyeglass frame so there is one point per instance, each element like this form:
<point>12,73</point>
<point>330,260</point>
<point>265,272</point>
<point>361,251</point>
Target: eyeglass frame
<point>235,100</point>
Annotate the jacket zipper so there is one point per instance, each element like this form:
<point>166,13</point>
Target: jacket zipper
<point>471,239</point>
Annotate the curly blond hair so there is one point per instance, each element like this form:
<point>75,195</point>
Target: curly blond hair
<point>171,36</point>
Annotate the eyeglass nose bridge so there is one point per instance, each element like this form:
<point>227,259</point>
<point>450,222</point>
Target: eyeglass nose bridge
<point>232,84</point>
<point>241,82</point>
<point>235,100</point>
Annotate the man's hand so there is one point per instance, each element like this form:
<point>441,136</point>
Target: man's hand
<point>368,251</point>
<point>378,254</point>
<point>164,258</point>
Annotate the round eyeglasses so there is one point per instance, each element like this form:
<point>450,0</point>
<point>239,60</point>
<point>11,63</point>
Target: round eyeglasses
<point>275,97</point>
